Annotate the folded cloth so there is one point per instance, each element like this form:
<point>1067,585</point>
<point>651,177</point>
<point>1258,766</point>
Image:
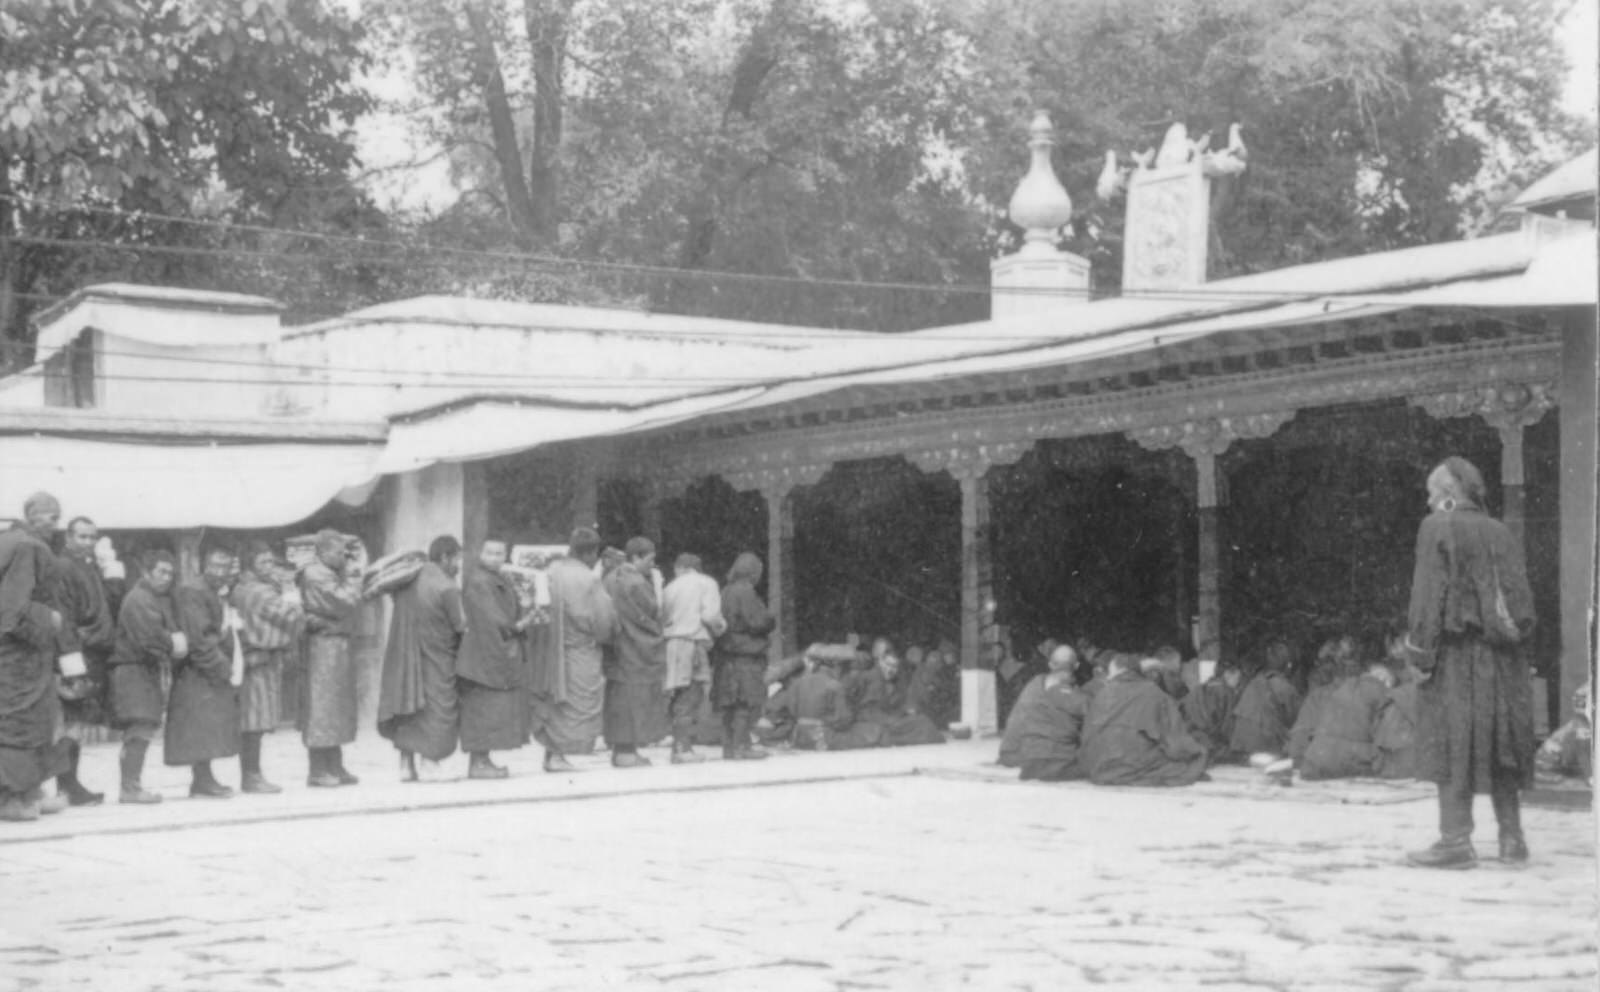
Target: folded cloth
<point>391,572</point>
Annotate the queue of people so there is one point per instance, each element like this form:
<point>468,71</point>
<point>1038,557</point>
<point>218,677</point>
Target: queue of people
<point>604,646</point>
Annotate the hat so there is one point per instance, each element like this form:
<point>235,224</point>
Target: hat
<point>41,502</point>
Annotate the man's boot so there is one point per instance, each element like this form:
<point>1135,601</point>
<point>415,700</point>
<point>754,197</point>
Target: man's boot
<point>408,766</point>
<point>743,749</point>
<point>555,762</point>
<point>250,778</point>
<point>14,808</point>
<point>132,763</point>
<point>1508,813</point>
<point>730,743</point>
<point>204,785</point>
<point>336,766</point>
<point>628,756</point>
<point>48,805</point>
<point>1453,849</point>
<point>321,769</point>
<point>67,783</point>
<point>683,754</point>
<point>479,766</point>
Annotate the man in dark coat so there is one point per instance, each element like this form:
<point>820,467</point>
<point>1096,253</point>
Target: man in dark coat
<point>1134,734</point>
<point>203,707</point>
<point>877,697</point>
<point>637,669</point>
<point>1344,742</point>
<point>936,688</point>
<point>490,675</point>
<point>1017,720</point>
<point>1470,609</point>
<point>90,629</point>
<point>1267,707</point>
<point>418,707</point>
<point>330,591</point>
<point>270,622</point>
<point>148,638</point>
<point>29,627</point>
<point>1051,732</point>
<point>739,663</point>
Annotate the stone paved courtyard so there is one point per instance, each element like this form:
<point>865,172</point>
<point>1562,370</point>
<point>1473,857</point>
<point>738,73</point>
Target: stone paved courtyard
<point>948,879</point>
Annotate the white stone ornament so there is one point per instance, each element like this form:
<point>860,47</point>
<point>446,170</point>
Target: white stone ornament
<point>1040,206</point>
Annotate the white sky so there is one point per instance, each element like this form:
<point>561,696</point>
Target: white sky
<point>1581,35</point>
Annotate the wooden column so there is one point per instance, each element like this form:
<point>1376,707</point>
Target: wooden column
<point>977,574</point>
<point>650,500</point>
<point>1512,481</point>
<point>187,546</point>
<point>475,512</point>
<point>1205,441</point>
<point>779,495</point>
<point>1577,390</point>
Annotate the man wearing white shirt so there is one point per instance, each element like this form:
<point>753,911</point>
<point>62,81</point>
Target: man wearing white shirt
<point>691,618</point>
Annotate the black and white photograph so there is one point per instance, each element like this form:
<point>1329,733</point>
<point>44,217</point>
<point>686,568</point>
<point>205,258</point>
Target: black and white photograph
<point>799,495</point>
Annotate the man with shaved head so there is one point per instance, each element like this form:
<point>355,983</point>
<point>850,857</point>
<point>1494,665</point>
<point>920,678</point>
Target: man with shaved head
<point>29,627</point>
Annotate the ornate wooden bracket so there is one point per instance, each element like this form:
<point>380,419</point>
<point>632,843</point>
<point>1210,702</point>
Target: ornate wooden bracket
<point>969,461</point>
<point>774,482</point>
<point>1512,405</point>
<point>1205,439</point>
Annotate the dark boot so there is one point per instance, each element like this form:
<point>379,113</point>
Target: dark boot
<point>132,791</point>
<point>479,766</point>
<point>250,778</point>
<point>321,769</point>
<point>683,754</point>
<point>67,783</point>
<point>336,766</point>
<point>555,761</point>
<point>1454,847</point>
<point>204,785</point>
<point>730,743</point>
<point>1508,813</point>
<point>743,750</point>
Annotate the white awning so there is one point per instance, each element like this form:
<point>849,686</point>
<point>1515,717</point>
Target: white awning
<point>144,485</point>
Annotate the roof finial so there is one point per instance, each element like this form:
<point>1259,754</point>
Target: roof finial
<point>1040,206</point>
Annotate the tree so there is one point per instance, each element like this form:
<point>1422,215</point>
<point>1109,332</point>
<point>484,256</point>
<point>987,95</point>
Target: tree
<point>236,111</point>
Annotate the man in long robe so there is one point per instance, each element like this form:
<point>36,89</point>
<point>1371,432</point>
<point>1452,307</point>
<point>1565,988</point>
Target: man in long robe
<point>1397,731</point>
<point>567,684</point>
<point>270,623</point>
<point>330,591</point>
<point>29,628</point>
<point>1344,743</point>
<point>1135,735</point>
<point>90,629</point>
<point>418,706</point>
<point>876,697</point>
<point>1021,713</point>
<point>148,639</point>
<point>1208,711</point>
<point>1052,731</point>
<point>490,677</point>
<point>936,688</point>
<point>1267,707</point>
<point>637,670</point>
<point>203,706</point>
<point>1471,609</point>
<point>813,705</point>
<point>691,616</point>
<point>739,664</point>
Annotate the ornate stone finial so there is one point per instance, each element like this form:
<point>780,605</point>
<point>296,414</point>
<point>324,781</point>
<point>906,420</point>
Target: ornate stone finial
<point>1040,206</point>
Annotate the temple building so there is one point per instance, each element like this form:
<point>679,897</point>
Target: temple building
<point>1203,463</point>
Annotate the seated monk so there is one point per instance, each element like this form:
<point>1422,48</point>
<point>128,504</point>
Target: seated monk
<point>1019,717</point>
<point>1343,745</point>
<point>1164,667</point>
<point>1267,706</point>
<point>875,698</point>
<point>1397,726</point>
<point>1052,730</point>
<point>1134,734</point>
<point>1568,753</point>
<point>1336,663</point>
<point>1208,711</point>
<point>936,688</point>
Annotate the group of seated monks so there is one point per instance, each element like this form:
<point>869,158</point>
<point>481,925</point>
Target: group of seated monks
<point>1115,718</point>
<point>846,697</point>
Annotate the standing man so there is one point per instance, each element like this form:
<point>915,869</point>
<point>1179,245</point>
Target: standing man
<point>29,629</point>
<point>203,709</point>
<point>738,674</point>
<point>148,639</point>
<point>637,671</point>
<point>88,628</point>
<point>691,610</point>
<point>489,667</point>
<point>418,707</point>
<point>330,589</point>
<point>567,682</point>
<point>270,621</point>
<point>1470,609</point>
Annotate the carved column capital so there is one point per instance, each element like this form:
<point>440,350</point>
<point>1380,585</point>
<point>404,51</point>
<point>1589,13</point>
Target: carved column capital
<point>969,461</point>
<point>1210,436</point>
<point>1503,406</point>
<point>777,481</point>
